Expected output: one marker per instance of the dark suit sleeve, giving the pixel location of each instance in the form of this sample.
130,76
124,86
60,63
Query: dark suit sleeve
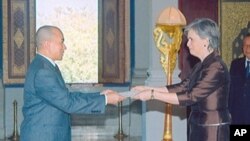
49,89
237,75
231,91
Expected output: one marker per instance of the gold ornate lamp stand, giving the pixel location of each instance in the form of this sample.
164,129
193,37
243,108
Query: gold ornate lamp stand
168,37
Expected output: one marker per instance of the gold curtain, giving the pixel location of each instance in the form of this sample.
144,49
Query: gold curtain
234,23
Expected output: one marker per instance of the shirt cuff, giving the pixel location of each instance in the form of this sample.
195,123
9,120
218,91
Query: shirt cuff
106,100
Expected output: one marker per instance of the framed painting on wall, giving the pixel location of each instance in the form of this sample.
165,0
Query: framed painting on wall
18,39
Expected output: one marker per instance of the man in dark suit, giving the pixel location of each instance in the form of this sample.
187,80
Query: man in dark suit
47,101
239,98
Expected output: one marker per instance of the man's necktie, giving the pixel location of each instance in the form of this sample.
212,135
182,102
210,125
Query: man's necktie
248,69
57,69
59,72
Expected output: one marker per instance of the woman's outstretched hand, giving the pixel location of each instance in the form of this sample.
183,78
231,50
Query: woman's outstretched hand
143,93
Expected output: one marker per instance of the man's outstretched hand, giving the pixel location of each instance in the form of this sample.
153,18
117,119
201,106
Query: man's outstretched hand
113,97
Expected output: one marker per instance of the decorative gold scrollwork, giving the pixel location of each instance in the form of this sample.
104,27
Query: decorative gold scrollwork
168,40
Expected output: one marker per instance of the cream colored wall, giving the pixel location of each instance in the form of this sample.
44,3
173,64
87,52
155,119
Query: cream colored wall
12,94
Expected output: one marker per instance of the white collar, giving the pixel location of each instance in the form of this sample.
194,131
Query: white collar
50,60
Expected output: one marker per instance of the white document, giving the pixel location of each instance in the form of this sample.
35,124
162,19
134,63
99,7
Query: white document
127,93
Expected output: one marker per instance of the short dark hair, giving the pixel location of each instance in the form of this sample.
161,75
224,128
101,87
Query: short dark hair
247,35
44,33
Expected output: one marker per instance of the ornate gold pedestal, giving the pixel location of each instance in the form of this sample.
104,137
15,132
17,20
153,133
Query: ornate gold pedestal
168,37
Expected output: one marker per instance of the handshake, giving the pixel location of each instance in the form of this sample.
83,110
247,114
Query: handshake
138,93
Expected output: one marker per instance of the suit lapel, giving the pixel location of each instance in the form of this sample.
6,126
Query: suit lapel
59,73
242,68
52,68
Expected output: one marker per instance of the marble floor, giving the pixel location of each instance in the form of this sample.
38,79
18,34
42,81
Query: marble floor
80,133
98,138
105,126
107,139
88,133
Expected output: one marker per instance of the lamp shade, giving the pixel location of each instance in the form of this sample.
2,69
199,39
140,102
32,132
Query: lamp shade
171,16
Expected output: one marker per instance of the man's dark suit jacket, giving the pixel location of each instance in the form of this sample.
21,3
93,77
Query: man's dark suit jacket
239,98
48,104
